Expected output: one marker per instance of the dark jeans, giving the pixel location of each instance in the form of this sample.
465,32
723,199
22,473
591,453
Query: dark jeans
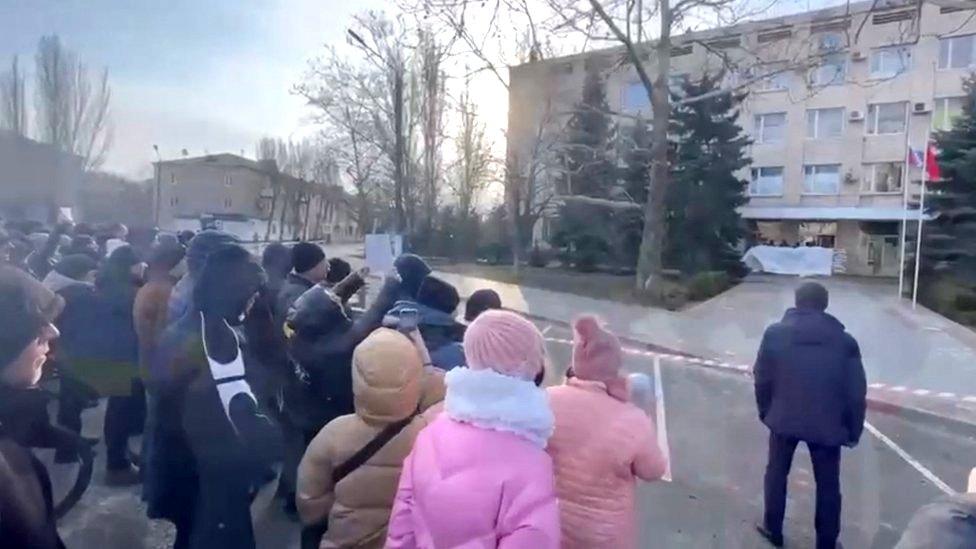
124,416
826,473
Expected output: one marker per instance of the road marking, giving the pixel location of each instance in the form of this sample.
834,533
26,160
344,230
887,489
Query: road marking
546,329
921,392
947,395
899,389
662,423
929,475
876,385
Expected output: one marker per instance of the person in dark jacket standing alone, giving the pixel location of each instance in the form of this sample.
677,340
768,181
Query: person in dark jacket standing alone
27,310
810,387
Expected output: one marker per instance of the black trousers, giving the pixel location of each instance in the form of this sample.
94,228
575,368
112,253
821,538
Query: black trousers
826,473
125,416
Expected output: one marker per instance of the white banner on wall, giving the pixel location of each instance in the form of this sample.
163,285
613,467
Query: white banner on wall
793,261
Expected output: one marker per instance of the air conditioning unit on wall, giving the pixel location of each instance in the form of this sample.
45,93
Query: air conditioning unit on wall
920,108
858,55
856,116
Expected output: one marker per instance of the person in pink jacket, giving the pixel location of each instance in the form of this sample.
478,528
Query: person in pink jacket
601,445
478,475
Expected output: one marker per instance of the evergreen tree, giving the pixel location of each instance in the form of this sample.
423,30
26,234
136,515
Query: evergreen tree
588,148
949,239
636,173
703,222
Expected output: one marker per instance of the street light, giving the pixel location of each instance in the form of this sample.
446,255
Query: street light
159,175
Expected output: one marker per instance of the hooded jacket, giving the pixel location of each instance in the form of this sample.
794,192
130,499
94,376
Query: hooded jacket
809,380
441,332
478,475
601,445
387,383
322,341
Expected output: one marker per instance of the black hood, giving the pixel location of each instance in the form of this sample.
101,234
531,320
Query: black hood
317,312
811,326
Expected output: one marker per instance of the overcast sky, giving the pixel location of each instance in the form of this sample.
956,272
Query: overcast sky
211,74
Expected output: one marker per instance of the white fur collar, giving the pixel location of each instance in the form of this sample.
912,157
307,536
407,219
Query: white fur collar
490,400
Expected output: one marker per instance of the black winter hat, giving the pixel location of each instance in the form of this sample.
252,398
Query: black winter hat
439,295
481,301
305,256
26,306
276,259
76,266
339,269
412,270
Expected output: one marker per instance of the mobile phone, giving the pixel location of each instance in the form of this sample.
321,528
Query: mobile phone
408,320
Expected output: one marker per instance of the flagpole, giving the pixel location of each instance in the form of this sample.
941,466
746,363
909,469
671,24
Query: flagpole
921,220
904,207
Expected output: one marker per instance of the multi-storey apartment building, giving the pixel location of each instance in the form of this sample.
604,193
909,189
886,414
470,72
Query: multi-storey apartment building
251,198
836,98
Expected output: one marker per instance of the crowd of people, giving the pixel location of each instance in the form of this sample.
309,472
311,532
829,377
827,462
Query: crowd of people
393,425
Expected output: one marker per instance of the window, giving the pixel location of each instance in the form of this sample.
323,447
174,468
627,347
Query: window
778,79
227,181
770,128
889,62
174,201
821,179
946,110
956,52
830,41
676,83
883,177
228,202
634,99
886,118
825,123
767,181
831,72
172,178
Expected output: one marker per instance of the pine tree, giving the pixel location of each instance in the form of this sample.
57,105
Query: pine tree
703,222
949,239
588,148
637,158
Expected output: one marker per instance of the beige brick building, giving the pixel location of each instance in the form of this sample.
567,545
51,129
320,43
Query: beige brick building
245,196
846,92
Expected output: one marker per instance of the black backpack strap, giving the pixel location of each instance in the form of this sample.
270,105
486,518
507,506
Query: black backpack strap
368,451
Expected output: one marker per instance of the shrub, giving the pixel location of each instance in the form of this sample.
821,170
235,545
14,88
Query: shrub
966,301
707,284
539,257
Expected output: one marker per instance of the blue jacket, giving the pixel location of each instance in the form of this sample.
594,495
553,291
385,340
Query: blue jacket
441,334
809,380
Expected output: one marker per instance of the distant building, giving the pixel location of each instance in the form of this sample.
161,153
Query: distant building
250,198
849,89
36,179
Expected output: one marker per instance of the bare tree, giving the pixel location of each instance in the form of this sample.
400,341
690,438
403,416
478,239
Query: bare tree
72,105
475,163
432,100
343,96
13,111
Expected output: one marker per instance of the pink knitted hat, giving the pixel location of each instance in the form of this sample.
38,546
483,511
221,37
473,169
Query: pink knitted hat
597,355
506,343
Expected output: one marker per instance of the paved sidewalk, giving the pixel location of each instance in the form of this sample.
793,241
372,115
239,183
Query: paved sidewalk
907,354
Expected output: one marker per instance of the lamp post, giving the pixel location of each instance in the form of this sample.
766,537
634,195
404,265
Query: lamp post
159,176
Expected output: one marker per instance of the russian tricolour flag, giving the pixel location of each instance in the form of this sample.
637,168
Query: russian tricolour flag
926,160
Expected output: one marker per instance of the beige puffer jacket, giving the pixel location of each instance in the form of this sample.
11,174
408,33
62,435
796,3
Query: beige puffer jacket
389,383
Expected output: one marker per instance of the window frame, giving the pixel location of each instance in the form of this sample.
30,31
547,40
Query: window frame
946,124
807,192
759,128
873,179
906,61
816,125
781,70
871,128
645,111
950,41
839,78
753,186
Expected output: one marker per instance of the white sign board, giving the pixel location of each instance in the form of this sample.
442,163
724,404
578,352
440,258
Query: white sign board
793,261
381,251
